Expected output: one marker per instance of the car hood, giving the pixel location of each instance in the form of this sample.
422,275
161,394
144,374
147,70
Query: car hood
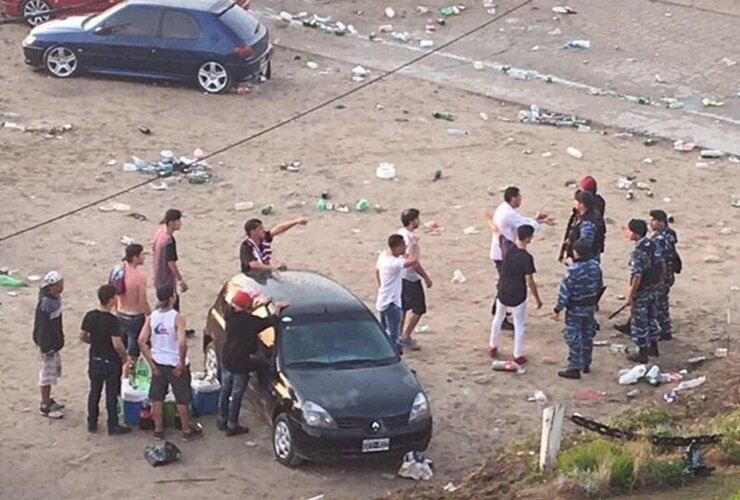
372,392
68,25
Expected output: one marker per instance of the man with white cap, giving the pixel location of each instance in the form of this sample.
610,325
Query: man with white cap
48,335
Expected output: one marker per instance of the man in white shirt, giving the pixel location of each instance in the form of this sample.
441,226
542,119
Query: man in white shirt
413,300
388,274
504,223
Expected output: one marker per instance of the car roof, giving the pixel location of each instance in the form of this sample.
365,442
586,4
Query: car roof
307,292
216,6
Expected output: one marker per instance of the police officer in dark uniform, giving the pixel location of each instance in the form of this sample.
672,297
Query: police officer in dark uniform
646,272
665,238
579,291
588,226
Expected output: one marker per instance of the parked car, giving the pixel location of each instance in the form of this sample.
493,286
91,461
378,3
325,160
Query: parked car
214,43
36,12
331,383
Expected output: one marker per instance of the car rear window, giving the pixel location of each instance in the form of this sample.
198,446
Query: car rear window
240,23
334,343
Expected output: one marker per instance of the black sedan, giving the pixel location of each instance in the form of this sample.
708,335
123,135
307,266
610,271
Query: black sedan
332,384
214,43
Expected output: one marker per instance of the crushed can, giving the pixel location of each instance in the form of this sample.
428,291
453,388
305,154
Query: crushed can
505,366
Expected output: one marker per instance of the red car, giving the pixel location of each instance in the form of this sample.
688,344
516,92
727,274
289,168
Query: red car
36,12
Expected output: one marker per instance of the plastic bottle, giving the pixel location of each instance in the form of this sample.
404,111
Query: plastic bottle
690,384
653,375
633,375
362,205
443,115
578,44
504,366
456,132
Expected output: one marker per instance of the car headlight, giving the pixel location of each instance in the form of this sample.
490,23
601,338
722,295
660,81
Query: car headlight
420,408
29,40
315,416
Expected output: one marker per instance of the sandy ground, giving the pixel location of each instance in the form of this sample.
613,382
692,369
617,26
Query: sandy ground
475,410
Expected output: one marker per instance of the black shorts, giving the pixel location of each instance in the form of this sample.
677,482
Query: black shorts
180,385
412,297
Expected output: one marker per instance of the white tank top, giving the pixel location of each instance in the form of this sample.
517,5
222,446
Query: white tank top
164,338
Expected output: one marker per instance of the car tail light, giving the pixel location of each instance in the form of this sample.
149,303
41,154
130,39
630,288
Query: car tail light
243,50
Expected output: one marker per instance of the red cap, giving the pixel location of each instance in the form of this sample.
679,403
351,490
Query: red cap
588,183
242,300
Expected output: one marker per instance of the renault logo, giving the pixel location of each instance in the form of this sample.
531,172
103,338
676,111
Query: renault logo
375,426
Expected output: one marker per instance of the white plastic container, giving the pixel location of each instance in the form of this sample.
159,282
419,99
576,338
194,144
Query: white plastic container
386,171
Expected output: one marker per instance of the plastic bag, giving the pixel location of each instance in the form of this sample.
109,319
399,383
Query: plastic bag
162,454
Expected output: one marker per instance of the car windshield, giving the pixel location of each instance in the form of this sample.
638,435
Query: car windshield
97,19
336,343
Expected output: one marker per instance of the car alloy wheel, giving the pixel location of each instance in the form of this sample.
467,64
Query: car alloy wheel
211,362
61,61
213,77
38,9
282,441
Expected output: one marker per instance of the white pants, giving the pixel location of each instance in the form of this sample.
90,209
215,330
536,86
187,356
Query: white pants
519,313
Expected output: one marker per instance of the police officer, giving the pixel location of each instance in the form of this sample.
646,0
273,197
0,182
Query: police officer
665,239
646,264
578,294
588,225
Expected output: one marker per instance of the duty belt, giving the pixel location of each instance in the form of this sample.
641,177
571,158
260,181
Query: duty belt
587,301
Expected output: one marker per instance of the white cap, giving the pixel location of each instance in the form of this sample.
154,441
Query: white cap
52,278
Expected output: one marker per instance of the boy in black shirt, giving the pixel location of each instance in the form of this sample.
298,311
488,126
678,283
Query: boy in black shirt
107,353
241,332
517,272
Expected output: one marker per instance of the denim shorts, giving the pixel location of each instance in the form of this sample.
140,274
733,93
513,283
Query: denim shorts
131,325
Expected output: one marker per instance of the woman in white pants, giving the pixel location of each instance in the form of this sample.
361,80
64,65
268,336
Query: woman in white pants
517,272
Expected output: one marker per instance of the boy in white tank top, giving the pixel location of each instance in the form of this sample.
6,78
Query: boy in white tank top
169,362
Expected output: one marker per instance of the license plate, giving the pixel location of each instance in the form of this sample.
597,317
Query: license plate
373,445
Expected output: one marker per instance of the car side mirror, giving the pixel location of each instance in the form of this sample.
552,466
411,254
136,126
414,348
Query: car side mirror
103,30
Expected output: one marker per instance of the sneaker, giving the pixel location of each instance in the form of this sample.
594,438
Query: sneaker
587,369
507,325
118,430
410,343
521,360
492,352
92,427
665,336
221,426
56,406
194,433
235,431
49,412
189,334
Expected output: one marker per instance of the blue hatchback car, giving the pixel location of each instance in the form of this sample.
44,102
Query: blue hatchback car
214,43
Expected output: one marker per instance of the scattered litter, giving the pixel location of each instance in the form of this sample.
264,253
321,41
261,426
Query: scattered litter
456,132
577,44
137,216
426,43
242,206
659,79
449,487
195,169
575,153
711,153
631,376
691,384
444,115
312,65
733,159
126,240
390,13
478,65
385,28
471,230
450,10
359,73
362,205
38,129
286,16
112,163
670,397
268,209
683,146
536,116
584,129
728,61
291,166
325,24
458,277
537,397
162,454
505,366
114,207
33,278
8,281
292,204
695,463
696,360
437,175
633,393
416,466
87,243
624,183
650,142
629,196
720,352
483,116
401,37
386,171
422,329
647,161
563,9
711,103
589,394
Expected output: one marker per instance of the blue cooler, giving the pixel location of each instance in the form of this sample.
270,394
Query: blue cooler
132,400
205,396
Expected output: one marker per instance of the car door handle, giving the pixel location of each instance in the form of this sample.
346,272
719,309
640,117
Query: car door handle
154,51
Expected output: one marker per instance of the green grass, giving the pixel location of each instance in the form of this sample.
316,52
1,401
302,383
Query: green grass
729,427
650,419
610,464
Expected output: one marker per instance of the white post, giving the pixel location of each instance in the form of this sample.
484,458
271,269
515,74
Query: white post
552,428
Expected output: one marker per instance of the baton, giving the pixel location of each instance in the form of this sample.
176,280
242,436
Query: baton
614,314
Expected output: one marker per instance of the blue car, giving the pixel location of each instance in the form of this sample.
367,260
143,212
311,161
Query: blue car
213,43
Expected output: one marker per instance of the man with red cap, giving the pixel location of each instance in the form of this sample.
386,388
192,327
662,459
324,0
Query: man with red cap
587,206
241,331
588,183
